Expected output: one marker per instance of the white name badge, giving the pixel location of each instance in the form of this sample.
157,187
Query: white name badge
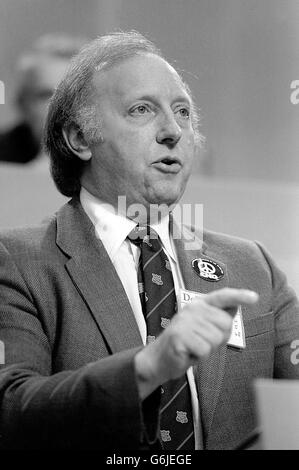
237,337
186,296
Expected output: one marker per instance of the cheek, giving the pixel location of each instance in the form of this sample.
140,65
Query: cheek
135,150
190,148
129,161
190,140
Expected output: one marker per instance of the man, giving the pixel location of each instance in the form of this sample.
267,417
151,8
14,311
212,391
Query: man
37,72
88,362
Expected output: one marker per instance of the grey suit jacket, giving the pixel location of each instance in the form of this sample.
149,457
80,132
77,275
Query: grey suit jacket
70,338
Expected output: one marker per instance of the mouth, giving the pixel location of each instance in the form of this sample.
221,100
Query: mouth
168,165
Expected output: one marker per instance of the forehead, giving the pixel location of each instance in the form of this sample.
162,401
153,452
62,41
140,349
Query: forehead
143,74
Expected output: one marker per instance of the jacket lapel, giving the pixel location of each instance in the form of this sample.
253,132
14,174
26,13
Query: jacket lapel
94,275
208,373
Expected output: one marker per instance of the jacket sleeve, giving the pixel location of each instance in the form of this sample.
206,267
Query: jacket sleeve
96,406
285,308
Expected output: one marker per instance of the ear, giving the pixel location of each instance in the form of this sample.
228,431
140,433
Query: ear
75,141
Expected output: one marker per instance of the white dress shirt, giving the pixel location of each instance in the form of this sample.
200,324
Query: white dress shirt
112,229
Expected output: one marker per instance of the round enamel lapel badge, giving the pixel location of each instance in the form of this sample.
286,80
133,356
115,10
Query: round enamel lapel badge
207,269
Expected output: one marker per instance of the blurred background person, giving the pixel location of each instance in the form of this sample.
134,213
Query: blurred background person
38,72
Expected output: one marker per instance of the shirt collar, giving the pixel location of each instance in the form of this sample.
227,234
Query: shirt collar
113,228
162,229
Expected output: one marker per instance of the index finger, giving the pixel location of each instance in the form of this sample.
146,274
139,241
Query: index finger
229,298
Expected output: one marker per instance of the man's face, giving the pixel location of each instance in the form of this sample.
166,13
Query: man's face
147,143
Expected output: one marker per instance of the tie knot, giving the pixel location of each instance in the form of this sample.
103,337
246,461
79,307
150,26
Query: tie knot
144,234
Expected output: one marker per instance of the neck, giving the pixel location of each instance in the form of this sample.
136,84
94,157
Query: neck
144,214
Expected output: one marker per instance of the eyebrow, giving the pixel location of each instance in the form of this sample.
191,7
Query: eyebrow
155,99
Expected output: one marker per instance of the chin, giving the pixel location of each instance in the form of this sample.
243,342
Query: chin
164,192
169,197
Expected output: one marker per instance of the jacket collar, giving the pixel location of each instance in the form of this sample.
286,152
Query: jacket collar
95,277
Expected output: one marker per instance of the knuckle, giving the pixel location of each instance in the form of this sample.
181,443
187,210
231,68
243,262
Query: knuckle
195,305
219,338
174,338
227,323
205,349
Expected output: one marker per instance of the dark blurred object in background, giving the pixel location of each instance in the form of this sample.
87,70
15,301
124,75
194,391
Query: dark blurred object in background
38,72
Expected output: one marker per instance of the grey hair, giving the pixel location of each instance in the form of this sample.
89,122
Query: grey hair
71,104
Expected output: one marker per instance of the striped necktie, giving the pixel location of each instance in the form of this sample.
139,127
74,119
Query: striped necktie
158,300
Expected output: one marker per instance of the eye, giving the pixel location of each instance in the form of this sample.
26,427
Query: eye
184,113
140,109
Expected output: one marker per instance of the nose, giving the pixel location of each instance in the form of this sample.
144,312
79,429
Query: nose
169,132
